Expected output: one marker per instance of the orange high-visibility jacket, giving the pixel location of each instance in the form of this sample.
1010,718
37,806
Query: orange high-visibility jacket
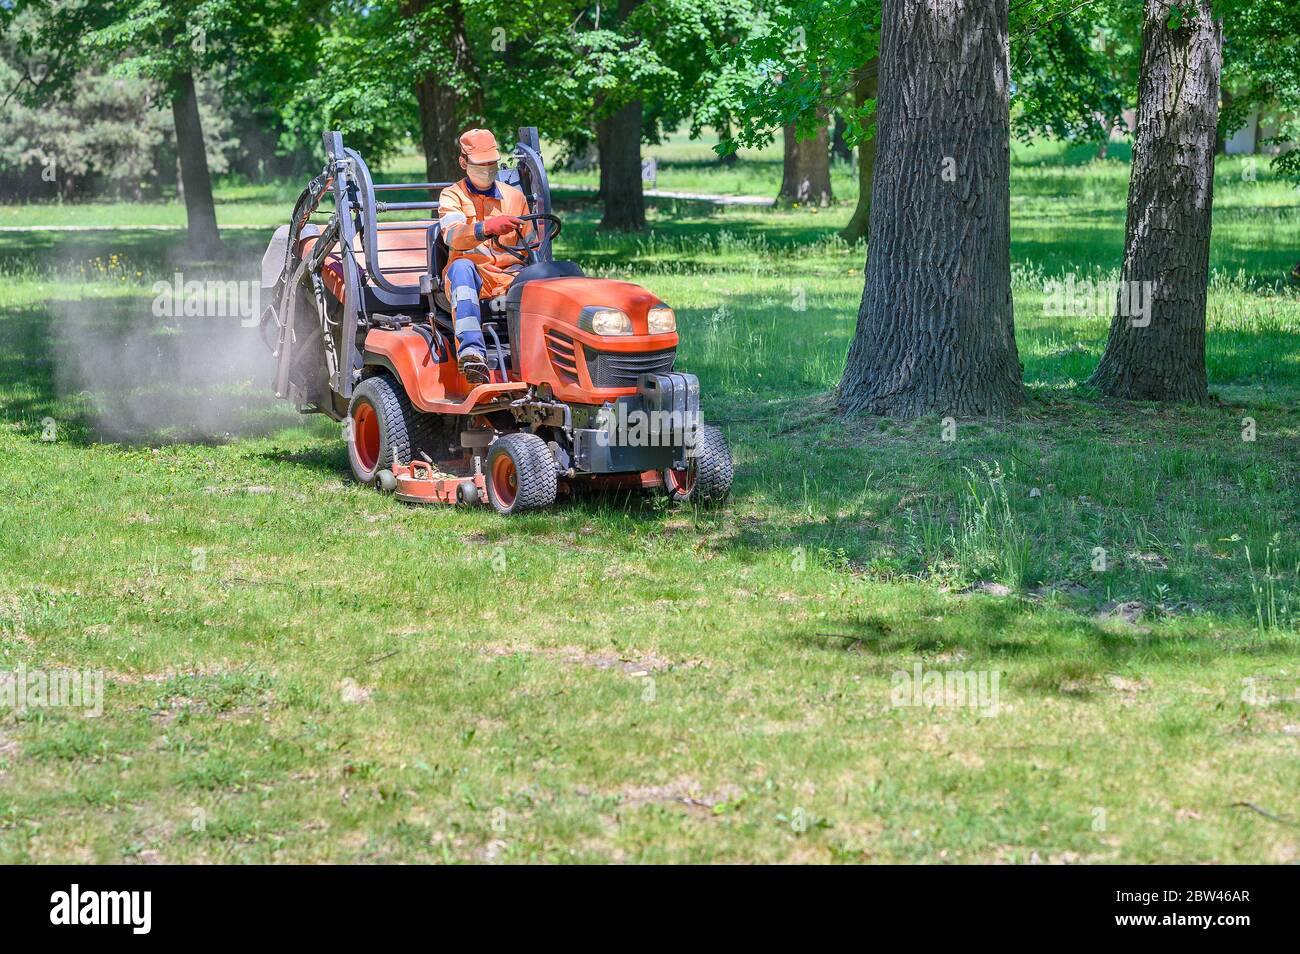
461,208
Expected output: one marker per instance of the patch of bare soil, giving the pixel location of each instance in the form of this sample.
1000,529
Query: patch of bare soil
9,749
354,693
1063,587
682,791
165,675
1130,612
992,589
576,656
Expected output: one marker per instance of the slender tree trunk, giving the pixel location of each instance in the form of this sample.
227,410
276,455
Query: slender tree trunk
840,150
1158,354
445,109
731,158
200,211
935,331
1103,144
863,92
806,172
620,170
603,150
1221,136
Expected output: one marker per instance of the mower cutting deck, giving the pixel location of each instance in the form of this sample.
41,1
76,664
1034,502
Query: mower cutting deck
583,392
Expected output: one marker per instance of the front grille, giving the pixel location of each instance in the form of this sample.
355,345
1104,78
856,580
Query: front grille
615,369
560,348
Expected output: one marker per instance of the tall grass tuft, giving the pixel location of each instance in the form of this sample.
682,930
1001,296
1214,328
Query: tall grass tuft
1272,604
990,540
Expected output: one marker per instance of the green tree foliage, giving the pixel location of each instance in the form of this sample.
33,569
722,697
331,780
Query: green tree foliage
362,83
171,46
803,55
568,66
1074,73
798,59
1261,70
74,127
106,136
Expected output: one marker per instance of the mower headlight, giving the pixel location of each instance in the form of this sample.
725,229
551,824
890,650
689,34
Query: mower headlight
605,321
662,320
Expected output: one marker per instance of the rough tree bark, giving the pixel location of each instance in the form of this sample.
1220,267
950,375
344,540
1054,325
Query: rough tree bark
864,90
445,109
935,330
806,171
619,138
200,212
1103,143
1160,355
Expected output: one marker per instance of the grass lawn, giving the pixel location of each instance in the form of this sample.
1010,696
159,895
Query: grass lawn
298,669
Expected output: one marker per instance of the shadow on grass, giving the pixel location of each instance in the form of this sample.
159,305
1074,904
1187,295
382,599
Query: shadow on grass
330,461
985,632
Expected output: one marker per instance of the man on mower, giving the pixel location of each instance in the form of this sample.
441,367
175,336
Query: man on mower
471,212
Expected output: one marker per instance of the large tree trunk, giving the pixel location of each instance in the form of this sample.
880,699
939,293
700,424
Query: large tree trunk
935,331
806,172
864,90
445,110
1159,354
200,211
619,137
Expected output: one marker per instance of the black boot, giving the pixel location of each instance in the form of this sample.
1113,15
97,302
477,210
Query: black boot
473,366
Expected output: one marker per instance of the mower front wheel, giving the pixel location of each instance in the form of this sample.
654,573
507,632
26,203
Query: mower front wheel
379,419
520,473
706,478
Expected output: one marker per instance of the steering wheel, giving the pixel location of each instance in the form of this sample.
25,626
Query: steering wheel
526,249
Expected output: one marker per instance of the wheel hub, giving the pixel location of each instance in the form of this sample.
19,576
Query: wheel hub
365,436
505,480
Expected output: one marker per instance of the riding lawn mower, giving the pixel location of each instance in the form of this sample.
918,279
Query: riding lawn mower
582,391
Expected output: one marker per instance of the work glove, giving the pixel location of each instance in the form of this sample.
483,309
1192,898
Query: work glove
499,225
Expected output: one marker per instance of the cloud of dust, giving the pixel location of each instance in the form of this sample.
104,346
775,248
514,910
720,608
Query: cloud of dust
182,361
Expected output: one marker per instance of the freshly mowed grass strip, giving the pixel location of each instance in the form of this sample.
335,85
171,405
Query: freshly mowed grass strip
300,670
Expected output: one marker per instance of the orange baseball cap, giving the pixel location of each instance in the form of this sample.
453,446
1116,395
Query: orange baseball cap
479,145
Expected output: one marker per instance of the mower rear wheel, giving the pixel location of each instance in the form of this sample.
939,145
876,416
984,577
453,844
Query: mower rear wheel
706,478
379,424
520,473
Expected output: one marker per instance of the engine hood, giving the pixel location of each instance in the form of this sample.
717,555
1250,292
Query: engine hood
564,298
